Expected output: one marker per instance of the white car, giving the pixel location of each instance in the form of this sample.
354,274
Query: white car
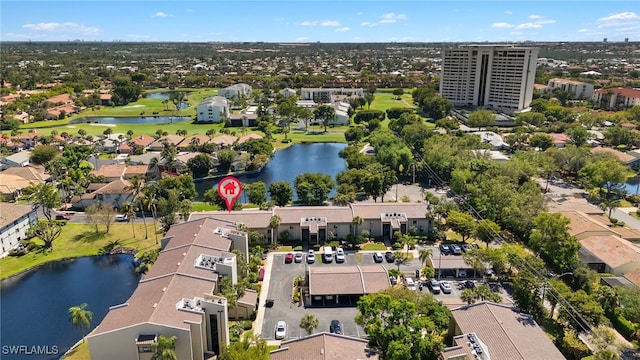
281,330
411,285
445,287
122,218
339,255
311,257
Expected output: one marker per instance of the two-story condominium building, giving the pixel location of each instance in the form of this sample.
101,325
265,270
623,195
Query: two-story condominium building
15,220
578,89
616,99
213,109
498,77
237,91
177,297
323,95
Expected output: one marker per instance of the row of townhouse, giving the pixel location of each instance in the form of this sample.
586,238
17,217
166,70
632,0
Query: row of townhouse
616,98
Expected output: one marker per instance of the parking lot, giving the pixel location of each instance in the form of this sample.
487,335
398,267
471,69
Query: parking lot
281,286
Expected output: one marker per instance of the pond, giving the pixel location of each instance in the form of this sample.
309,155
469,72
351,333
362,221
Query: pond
289,163
151,119
35,304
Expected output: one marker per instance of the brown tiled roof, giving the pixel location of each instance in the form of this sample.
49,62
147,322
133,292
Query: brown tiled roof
630,93
62,98
509,335
612,250
625,158
203,139
253,218
224,140
334,214
110,171
10,183
27,172
633,276
11,212
249,137
373,210
142,140
323,346
563,204
132,170
171,139
172,278
116,187
347,280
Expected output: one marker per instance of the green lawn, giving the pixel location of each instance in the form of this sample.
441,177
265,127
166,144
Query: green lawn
373,246
79,240
384,101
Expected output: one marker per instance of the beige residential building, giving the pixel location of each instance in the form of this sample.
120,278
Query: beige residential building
493,76
177,297
578,89
324,346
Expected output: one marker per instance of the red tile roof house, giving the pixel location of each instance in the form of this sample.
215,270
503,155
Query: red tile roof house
110,172
559,140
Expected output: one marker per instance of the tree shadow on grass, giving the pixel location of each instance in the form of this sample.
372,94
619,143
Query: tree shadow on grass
89,236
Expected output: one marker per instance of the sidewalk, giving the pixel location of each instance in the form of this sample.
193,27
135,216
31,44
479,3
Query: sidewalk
264,292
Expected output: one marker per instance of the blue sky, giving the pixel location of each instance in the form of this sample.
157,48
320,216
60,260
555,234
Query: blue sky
324,21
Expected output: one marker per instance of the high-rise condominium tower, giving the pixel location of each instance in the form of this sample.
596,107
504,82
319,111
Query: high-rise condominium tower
500,77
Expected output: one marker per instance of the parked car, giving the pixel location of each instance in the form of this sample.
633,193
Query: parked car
327,254
122,218
469,284
311,257
335,327
377,257
298,257
445,287
388,256
281,330
63,217
434,286
456,249
445,249
340,255
466,247
289,258
393,280
411,285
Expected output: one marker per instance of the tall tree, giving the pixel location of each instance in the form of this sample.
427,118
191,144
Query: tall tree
487,230
47,231
462,223
552,240
482,119
274,222
281,193
313,188
42,195
256,192
80,317
326,114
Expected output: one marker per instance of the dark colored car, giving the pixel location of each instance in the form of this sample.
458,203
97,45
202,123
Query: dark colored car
388,256
289,258
63,217
335,327
418,274
434,286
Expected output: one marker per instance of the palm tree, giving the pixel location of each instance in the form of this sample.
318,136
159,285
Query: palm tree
165,348
425,254
130,210
136,186
468,296
274,222
309,322
80,317
357,221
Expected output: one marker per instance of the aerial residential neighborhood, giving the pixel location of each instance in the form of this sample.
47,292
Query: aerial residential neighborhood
320,185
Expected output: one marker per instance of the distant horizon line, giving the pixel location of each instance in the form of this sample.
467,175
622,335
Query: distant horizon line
324,42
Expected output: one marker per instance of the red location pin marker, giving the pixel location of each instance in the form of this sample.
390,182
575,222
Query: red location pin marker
229,189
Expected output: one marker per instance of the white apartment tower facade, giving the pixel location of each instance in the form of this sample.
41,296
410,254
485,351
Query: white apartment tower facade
499,77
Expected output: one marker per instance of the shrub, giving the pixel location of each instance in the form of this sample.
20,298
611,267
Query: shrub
298,248
613,220
18,252
620,323
296,297
405,199
247,325
396,246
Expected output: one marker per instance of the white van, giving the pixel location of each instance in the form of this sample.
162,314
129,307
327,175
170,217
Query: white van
411,285
327,254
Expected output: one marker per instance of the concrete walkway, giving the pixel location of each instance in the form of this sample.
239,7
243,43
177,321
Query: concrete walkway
264,292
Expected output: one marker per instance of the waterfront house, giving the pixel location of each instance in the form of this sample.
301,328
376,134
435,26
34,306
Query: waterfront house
15,221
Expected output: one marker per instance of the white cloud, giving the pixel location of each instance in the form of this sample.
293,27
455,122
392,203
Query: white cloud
390,18
508,12
342,29
501,25
161,14
545,21
330,23
628,15
359,13
528,26
583,31
65,27
308,23
533,17
368,24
